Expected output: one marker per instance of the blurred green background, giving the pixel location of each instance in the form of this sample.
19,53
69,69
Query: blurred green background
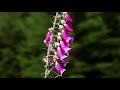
95,51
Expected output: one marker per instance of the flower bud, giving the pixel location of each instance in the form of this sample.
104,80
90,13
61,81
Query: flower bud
64,13
56,44
59,38
61,27
50,29
54,60
52,50
59,33
63,22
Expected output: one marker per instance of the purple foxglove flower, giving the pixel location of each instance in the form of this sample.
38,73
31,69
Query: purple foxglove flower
69,23
63,63
68,18
47,38
65,47
61,55
69,39
58,68
68,28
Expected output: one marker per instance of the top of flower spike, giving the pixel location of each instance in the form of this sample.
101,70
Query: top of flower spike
65,13
67,17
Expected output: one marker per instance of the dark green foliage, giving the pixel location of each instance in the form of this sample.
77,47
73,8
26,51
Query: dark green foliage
95,51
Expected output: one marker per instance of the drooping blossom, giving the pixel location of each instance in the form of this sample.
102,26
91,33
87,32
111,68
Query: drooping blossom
68,28
63,63
58,68
61,55
69,39
47,38
64,46
68,18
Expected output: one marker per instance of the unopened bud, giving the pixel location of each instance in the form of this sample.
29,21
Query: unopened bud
59,37
50,29
59,34
52,50
54,60
64,13
60,27
62,21
56,44
55,54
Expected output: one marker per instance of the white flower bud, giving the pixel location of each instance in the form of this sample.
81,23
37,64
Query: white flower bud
60,27
56,44
59,34
52,50
54,60
63,22
55,54
50,29
64,13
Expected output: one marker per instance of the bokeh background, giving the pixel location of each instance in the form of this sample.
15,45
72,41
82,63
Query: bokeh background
95,51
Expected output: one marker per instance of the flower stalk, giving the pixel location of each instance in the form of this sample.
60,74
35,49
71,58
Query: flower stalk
48,52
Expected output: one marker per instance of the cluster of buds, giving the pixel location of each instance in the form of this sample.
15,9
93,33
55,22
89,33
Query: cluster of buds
58,41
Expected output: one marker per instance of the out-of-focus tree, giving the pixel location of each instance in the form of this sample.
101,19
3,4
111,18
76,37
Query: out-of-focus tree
21,43
96,47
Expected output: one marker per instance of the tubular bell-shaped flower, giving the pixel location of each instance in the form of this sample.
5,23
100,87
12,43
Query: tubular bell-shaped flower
47,38
64,47
68,18
68,28
69,39
61,55
58,68
63,62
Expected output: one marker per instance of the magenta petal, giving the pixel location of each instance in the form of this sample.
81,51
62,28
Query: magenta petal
63,63
58,68
69,23
47,38
68,28
68,18
60,54
65,47
69,39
